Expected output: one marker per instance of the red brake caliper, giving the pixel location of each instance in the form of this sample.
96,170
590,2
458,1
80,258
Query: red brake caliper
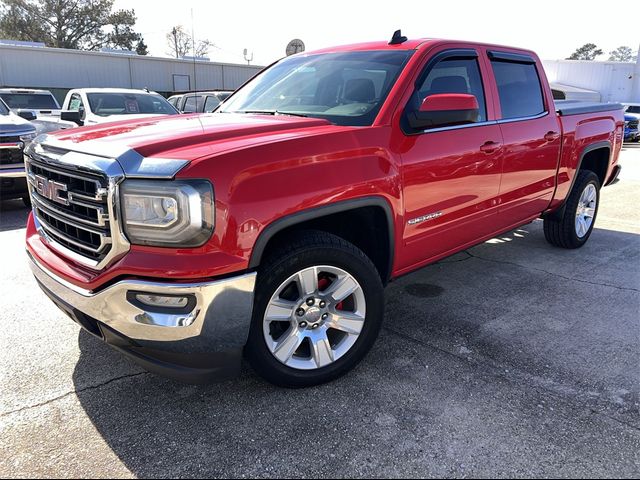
323,283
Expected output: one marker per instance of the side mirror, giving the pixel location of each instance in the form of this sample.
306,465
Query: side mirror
27,114
72,116
445,109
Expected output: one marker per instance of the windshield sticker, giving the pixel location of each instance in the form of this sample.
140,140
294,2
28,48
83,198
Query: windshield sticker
131,106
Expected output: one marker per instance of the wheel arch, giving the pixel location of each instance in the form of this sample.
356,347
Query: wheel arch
594,157
318,218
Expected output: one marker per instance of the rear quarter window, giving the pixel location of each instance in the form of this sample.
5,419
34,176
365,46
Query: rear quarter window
519,89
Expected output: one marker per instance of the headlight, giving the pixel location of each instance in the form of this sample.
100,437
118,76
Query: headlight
176,213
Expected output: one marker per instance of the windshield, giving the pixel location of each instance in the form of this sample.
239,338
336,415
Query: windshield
344,88
3,108
633,109
32,101
105,104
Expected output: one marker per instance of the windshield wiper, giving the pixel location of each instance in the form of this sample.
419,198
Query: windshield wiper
274,112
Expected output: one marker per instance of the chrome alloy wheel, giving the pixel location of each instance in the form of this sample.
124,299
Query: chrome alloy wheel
586,210
314,317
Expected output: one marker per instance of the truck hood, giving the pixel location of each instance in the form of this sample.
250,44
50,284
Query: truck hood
184,137
97,120
12,123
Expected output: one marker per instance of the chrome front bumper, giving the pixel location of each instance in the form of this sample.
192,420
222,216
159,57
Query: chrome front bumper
221,313
13,171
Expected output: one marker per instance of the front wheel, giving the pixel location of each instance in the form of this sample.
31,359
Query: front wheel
317,312
575,227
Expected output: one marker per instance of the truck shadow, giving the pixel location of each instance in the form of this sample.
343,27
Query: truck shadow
13,215
452,330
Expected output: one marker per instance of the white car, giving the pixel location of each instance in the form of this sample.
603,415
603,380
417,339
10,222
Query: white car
90,106
38,106
40,101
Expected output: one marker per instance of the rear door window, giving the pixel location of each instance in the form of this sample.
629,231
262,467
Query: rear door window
193,104
519,89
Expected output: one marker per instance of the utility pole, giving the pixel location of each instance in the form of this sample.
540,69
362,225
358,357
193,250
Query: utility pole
193,46
174,32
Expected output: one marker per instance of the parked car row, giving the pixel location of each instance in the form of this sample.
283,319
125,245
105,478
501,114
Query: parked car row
27,113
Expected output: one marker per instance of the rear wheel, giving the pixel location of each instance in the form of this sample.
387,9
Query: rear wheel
575,227
317,312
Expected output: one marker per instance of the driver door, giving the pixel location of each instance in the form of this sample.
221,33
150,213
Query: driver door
451,174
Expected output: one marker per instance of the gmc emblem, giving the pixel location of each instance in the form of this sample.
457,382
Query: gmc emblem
49,189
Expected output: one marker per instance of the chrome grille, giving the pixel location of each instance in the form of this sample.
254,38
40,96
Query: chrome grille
633,124
78,218
10,151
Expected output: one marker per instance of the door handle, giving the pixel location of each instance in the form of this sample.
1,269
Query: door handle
490,147
551,136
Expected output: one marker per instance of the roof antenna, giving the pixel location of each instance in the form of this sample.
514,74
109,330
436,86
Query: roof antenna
397,38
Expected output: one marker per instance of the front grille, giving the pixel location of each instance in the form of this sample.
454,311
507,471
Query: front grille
633,124
76,218
10,156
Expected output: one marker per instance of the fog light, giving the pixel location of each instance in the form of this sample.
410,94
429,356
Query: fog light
162,301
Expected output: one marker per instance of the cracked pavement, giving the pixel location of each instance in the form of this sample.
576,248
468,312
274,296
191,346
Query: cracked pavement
510,359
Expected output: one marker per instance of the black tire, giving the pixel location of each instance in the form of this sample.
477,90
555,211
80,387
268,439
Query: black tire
304,250
562,232
27,201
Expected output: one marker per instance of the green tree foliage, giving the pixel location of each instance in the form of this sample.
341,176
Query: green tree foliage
141,48
589,51
78,24
622,54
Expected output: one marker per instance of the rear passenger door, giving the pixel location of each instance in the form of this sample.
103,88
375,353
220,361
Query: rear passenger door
531,137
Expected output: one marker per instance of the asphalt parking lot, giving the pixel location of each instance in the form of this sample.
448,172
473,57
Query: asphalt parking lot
511,359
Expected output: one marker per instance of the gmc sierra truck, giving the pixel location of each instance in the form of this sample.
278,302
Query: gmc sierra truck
270,227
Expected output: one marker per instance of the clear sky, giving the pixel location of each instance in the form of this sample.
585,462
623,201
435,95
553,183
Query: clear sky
554,29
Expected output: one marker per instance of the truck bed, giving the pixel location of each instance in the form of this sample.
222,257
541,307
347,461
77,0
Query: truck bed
565,108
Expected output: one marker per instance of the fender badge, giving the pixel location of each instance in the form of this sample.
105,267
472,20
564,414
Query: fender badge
424,218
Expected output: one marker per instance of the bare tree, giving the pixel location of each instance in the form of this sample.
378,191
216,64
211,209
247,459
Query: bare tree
182,44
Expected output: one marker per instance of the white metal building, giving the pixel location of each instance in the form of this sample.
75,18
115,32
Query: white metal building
59,70
615,81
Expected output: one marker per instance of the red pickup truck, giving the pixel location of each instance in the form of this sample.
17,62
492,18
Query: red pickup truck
270,227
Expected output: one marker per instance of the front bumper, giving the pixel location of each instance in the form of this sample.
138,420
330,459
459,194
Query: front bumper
201,342
13,183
